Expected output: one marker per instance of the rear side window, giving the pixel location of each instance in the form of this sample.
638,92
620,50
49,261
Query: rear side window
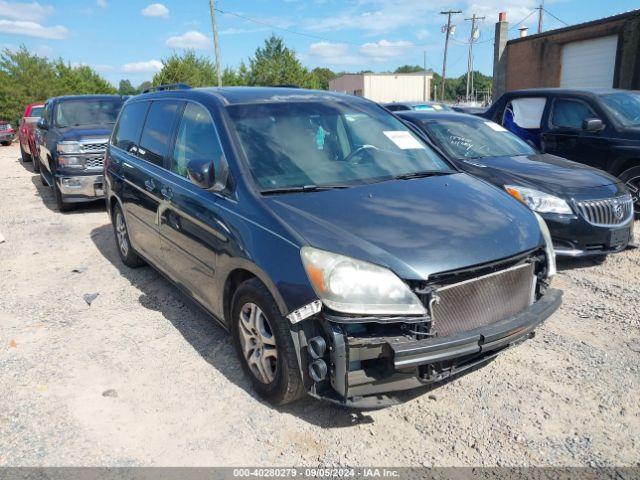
36,111
197,139
156,135
127,131
570,113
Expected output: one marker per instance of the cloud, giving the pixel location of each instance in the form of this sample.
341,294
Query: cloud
33,29
142,67
385,50
340,53
156,10
102,3
334,53
422,34
33,11
190,40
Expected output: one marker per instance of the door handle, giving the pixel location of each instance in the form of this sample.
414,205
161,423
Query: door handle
150,185
167,193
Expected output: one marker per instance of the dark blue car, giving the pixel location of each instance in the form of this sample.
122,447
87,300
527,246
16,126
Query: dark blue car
347,258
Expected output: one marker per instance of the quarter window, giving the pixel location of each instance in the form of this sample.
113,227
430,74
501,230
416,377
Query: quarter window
127,131
156,136
197,139
570,113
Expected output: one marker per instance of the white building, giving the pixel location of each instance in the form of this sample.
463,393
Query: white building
385,87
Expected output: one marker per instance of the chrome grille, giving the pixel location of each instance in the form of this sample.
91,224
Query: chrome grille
93,147
4,127
607,212
95,162
484,300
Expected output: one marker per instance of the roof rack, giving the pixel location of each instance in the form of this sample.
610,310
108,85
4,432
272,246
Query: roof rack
290,85
167,86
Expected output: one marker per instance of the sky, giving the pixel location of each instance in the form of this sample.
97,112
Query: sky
129,38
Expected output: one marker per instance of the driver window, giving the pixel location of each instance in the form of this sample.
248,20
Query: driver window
570,113
197,139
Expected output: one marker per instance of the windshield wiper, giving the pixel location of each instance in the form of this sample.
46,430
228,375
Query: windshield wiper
302,189
430,173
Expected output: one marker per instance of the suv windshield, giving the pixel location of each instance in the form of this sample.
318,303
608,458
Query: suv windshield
87,112
471,138
36,111
324,144
624,106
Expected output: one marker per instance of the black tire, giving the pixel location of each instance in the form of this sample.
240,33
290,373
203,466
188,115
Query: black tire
26,157
631,179
36,163
62,206
123,244
42,179
286,385
6,144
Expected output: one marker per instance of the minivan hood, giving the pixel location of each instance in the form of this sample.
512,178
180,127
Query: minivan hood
548,173
85,131
414,227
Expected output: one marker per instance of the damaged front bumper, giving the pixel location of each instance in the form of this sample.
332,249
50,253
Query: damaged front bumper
364,368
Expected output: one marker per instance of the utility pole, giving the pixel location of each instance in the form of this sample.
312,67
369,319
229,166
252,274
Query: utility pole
216,47
424,76
447,31
472,38
540,9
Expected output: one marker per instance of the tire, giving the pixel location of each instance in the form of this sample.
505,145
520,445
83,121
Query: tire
6,144
42,179
62,207
631,179
36,163
123,244
24,155
277,379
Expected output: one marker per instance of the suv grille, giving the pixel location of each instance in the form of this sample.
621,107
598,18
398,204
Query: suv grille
4,127
95,162
607,212
483,300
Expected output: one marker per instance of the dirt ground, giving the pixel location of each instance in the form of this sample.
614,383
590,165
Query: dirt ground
143,377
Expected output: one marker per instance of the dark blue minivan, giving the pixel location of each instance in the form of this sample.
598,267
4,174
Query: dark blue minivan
348,259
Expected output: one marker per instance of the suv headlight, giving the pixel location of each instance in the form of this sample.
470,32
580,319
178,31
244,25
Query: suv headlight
538,201
348,285
548,246
68,147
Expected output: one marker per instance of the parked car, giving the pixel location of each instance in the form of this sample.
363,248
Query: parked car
72,137
473,110
588,211
597,127
347,257
7,133
419,106
26,130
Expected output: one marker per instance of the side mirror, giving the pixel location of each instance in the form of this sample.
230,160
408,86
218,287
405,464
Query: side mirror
42,124
201,173
592,124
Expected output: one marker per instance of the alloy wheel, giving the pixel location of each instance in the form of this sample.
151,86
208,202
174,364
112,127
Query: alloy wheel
633,185
121,234
258,343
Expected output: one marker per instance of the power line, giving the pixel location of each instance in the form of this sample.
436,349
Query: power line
558,19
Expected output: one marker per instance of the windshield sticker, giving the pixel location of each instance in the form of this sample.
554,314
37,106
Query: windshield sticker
320,136
438,107
496,127
403,140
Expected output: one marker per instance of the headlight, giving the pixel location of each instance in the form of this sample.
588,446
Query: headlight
71,162
348,285
68,147
538,201
548,248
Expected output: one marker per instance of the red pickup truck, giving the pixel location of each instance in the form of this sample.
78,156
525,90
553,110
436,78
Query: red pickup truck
27,129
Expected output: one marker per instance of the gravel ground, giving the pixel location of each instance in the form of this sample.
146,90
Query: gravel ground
143,377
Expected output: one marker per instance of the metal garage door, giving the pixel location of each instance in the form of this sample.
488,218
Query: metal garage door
589,63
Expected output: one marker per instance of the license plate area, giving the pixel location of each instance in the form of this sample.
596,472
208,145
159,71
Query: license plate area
619,237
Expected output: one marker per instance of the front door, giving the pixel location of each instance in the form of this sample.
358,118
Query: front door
565,137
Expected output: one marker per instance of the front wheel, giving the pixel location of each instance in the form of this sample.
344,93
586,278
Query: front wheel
6,144
24,155
631,179
262,339
62,206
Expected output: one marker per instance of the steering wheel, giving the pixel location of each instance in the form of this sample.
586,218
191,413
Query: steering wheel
359,150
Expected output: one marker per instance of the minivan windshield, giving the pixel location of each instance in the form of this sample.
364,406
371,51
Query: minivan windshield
624,106
473,138
326,144
74,113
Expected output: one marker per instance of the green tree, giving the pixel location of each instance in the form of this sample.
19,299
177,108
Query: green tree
189,68
146,85
125,88
323,75
409,69
276,64
233,77
80,79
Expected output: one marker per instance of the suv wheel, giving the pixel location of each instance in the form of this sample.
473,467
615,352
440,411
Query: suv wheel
24,155
127,254
262,339
631,179
62,207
